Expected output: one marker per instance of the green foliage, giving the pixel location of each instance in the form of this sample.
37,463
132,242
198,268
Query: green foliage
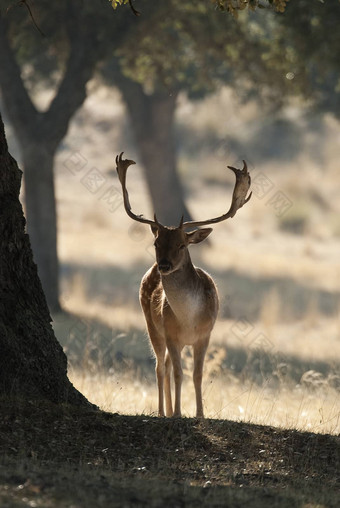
174,45
304,49
233,6
116,3
181,45
193,46
45,58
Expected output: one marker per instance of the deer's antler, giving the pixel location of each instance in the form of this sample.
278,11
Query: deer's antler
239,198
122,167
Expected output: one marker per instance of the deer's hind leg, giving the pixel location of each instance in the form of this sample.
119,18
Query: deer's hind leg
200,349
175,350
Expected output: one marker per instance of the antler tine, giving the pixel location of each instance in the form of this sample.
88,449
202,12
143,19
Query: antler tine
122,166
239,198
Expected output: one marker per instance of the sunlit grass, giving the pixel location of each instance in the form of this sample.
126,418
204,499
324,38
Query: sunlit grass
285,405
272,401
223,399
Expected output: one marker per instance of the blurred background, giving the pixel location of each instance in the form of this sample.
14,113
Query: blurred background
185,89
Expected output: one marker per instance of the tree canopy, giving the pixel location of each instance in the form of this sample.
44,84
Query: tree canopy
232,6
305,48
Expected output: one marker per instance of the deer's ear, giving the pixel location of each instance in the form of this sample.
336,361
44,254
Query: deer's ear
198,235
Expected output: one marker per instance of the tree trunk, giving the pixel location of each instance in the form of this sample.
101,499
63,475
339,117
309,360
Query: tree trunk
152,121
39,133
32,362
41,210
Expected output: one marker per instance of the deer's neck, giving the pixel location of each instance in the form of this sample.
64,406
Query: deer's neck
183,290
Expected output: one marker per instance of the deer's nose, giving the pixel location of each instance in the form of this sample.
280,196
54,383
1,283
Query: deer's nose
164,266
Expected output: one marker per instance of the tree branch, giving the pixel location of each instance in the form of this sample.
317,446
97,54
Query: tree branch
20,108
85,51
50,126
26,4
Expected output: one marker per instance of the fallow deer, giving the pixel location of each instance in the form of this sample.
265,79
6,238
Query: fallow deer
179,301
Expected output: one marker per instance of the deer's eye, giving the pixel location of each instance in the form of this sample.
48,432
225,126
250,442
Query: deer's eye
182,246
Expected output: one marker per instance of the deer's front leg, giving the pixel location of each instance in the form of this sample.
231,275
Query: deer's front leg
175,354
160,371
200,348
158,344
167,385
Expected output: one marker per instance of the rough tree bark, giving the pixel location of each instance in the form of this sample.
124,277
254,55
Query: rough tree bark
152,121
32,362
40,133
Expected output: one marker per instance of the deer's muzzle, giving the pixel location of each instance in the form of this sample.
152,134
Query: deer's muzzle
164,266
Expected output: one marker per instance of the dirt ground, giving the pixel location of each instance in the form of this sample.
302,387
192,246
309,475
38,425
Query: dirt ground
67,457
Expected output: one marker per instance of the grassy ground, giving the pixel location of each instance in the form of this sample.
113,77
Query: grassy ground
59,456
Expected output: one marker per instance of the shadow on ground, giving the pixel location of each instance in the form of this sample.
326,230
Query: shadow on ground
61,456
92,345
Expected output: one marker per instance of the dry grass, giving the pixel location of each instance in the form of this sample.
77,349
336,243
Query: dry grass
314,408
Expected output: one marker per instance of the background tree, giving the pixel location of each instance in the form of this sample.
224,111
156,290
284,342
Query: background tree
75,43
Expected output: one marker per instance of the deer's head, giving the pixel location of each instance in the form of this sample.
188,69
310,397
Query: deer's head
171,243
